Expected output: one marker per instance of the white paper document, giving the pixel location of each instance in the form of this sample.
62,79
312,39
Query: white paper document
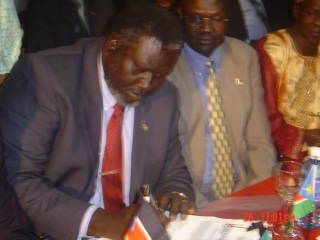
211,228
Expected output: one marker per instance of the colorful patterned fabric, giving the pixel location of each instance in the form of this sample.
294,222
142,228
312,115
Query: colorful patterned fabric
291,81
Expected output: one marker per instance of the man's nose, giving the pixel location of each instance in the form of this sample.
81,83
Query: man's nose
206,25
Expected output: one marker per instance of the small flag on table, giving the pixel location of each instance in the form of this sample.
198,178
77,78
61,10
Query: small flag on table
146,225
303,202
137,231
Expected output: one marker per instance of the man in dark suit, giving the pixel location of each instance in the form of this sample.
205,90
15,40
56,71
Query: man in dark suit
278,13
55,110
251,19
54,23
13,222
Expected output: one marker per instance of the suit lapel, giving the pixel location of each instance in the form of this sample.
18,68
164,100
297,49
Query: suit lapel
192,118
140,141
232,83
90,96
226,78
235,98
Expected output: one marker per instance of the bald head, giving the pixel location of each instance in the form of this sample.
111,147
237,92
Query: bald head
211,5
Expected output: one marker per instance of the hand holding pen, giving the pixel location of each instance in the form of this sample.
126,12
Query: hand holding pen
173,202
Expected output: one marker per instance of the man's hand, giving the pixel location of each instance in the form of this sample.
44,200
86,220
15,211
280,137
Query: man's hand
111,225
175,203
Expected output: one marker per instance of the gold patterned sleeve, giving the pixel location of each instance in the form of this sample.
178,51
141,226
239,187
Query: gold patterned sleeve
272,56
275,48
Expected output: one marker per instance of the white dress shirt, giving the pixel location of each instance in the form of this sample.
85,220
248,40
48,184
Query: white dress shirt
127,138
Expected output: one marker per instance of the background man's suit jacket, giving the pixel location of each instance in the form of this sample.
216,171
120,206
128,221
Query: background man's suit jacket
54,23
50,111
278,13
243,104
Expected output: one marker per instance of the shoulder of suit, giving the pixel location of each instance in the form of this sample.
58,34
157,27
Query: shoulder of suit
75,49
238,45
167,88
166,91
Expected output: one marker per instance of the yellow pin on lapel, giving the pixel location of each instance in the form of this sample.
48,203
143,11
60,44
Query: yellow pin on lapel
144,126
238,82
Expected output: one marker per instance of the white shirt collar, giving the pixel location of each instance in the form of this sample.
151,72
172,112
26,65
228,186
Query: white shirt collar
108,100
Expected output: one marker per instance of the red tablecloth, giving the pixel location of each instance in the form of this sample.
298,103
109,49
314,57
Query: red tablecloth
267,187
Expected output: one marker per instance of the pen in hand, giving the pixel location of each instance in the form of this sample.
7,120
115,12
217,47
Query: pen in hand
147,196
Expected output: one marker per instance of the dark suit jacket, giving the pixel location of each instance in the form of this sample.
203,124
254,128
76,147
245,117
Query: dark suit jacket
13,222
54,23
50,116
278,13
236,27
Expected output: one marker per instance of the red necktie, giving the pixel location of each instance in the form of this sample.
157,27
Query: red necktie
111,178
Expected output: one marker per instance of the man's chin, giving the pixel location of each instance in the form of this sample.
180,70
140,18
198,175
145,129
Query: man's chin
205,49
131,104
128,101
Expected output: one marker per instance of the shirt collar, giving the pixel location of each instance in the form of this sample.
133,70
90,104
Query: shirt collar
108,100
198,61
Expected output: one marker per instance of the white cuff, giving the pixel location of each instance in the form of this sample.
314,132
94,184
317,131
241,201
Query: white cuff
85,223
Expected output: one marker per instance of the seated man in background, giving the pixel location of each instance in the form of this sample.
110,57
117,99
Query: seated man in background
250,19
224,127
260,17
290,61
55,23
85,126
13,222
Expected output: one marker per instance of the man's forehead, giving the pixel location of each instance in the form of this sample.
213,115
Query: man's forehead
309,3
314,3
203,5
149,44
150,52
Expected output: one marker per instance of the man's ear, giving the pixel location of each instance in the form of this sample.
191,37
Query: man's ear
112,42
